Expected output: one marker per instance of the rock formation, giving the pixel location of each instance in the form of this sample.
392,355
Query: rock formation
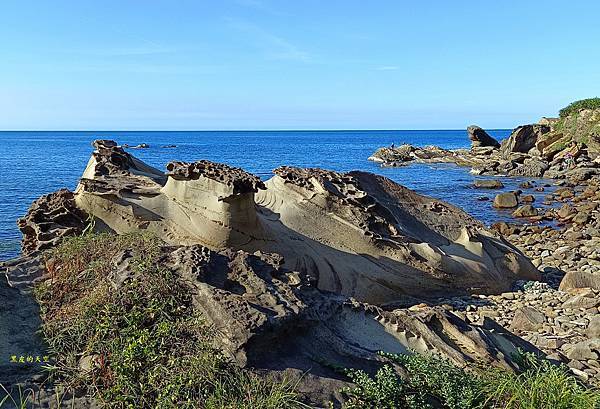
49,219
523,139
564,148
480,138
355,234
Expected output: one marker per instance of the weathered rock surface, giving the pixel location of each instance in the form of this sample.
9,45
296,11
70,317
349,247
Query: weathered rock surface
268,318
49,219
354,233
267,314
522,139
480,137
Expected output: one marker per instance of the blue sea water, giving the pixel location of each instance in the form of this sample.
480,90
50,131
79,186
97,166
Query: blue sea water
36,163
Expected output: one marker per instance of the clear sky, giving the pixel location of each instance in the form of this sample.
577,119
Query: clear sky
298,64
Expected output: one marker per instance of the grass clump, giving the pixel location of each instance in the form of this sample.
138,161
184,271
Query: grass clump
432,382
140,343
574,107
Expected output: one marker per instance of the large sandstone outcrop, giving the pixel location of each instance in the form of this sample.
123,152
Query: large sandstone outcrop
266,315
355,234
523,139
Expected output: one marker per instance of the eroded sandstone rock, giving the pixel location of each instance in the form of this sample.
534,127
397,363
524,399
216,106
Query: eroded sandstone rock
353,233
49,219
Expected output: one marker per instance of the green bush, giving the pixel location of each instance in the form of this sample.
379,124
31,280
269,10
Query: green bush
574,107
148,346
432,382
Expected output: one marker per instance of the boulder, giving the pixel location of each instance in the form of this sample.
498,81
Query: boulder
580,279
531,167
583,301
488,184
522,139
506,200
527,198
593,329
525,211
584,350
527,319
565,211
480,138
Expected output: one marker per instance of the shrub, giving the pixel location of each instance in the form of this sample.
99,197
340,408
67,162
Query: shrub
432,382
574,107
148,346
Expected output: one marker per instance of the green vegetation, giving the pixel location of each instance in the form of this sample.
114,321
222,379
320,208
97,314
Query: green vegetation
574,107
432,382
138,344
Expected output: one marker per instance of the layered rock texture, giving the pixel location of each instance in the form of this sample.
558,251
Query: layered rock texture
355,234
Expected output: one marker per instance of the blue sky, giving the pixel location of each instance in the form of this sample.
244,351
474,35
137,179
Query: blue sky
259,64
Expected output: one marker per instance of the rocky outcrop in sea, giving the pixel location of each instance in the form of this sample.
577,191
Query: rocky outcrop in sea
554,148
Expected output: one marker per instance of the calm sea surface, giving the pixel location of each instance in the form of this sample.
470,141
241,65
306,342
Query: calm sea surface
35,163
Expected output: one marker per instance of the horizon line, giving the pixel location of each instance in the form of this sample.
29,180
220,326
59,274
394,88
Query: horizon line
247,130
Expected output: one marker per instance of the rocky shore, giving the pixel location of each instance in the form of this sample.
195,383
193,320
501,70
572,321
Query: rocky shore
313,269
554,148
559,314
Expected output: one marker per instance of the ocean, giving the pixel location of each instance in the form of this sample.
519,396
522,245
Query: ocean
36,163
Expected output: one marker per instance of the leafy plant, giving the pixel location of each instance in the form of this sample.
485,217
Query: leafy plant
432,382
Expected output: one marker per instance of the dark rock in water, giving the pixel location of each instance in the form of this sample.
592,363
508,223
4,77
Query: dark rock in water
525,211
483,198
487,184
526,185
141,146
527,198
49,219
480,138
169,146
506,200
523,139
